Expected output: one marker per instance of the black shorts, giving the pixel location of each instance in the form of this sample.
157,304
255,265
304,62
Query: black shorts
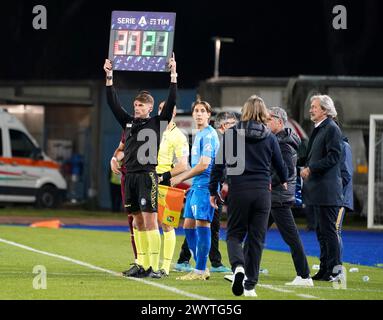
141,192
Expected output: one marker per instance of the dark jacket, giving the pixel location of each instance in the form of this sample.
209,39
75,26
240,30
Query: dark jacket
323,187
346,170
288,143
261,149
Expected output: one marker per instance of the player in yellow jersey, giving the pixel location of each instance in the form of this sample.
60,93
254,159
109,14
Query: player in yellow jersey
172,161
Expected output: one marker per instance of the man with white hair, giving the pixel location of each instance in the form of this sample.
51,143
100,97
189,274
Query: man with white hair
322,187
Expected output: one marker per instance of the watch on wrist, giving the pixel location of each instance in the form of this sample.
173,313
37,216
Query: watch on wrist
109,77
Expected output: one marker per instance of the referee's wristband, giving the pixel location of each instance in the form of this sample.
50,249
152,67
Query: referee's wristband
166,176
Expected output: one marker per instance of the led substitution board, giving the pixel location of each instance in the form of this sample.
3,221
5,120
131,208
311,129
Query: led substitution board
141,41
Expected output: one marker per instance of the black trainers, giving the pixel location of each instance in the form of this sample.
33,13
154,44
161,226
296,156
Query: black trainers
332,277
319,275
150,273
135,271
163,273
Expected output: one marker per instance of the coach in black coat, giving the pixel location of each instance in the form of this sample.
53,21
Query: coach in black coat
282,199
322,187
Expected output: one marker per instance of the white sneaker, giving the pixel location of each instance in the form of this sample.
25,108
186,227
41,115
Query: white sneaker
229,277
249,293
237,284
299,281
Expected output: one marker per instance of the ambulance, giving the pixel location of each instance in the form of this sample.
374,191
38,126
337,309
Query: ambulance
27,174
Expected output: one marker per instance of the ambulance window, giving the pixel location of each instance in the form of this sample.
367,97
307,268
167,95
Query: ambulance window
21,145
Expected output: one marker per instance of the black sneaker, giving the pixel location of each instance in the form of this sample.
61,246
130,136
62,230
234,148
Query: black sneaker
319,275
163,273
150,273
329,276
338,277
135,271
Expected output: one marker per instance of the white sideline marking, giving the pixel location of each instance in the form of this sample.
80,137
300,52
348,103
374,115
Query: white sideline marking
351,289
277,287
51,273
307,296
269,286
90,266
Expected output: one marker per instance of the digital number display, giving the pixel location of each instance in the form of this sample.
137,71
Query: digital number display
141,41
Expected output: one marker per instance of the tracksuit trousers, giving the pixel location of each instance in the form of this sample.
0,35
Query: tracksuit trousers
284,219
248,213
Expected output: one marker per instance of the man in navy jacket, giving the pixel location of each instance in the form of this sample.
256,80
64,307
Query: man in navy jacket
322,187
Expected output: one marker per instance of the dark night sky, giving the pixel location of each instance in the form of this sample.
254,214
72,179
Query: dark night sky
272,38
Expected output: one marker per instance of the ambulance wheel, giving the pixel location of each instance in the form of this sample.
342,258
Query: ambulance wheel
47,197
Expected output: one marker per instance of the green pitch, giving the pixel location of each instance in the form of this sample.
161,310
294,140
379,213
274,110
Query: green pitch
86,265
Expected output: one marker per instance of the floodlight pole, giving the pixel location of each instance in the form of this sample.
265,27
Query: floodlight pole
217,42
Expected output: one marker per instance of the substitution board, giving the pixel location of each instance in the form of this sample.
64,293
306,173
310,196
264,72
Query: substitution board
141,41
